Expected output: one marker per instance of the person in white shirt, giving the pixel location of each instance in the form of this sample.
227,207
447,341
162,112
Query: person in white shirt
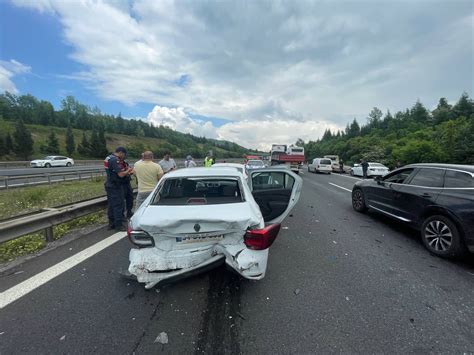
148,174
167,163
189,163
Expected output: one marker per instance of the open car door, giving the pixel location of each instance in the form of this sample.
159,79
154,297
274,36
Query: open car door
276,191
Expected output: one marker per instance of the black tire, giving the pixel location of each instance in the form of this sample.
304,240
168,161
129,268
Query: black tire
47,165
441,237
358,200
68,164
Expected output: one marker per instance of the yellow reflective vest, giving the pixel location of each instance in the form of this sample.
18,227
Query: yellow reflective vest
208,162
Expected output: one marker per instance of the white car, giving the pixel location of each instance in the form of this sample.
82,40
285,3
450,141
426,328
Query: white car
374,169
52,160
238,167
320,165
198,218
254,164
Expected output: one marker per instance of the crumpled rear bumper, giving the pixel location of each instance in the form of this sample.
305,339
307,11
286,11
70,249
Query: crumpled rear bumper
152,265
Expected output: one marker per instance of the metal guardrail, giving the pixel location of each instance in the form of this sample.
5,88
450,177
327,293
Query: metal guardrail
47,218
26,163
48,178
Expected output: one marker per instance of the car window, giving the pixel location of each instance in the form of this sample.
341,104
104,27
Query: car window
458,179
272,180
399,177
255,163
428,178
198,191
326,161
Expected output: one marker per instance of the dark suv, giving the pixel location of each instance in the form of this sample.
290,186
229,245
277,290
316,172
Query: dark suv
437,199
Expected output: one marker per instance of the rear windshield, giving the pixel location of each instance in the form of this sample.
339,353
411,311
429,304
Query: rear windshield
325,161
198,191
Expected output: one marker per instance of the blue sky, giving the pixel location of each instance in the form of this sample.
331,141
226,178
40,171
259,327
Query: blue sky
254,72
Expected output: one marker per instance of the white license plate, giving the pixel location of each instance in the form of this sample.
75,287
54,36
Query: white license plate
189,239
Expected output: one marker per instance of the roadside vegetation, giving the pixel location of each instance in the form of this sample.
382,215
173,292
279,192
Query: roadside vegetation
416,135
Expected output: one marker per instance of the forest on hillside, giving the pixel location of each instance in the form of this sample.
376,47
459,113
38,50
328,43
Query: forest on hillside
416,135
26,111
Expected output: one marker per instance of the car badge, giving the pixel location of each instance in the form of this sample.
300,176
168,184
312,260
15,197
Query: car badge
197,227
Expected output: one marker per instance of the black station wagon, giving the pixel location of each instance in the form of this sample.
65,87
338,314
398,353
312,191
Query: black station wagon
437,199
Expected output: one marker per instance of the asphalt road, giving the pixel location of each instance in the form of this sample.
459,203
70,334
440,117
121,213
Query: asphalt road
337,281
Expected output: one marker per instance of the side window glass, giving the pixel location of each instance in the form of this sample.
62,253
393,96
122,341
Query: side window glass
400,177
458,179
272,180
428,178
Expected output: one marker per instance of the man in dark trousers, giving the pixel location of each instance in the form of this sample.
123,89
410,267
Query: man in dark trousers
114,189
341,166
365,166
127,187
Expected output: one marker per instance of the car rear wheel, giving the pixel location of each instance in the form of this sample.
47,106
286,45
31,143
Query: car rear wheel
358,201
47,165
68,164
441,237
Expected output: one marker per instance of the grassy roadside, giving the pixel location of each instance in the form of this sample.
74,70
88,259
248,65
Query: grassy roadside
29,199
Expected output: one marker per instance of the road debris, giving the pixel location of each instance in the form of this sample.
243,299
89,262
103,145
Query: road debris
334,242
162,338
1,333
62,338
241,316
18,272
347,298
284,227
297,291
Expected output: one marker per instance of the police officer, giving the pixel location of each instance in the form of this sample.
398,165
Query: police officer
209,160
127,186
114,189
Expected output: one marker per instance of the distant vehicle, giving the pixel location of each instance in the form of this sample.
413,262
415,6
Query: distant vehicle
374,169
320,165
293,156
52,161
437,199
254,164
238,167
199,218
335,162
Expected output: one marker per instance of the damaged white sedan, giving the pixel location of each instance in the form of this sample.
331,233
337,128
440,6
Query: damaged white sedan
198,218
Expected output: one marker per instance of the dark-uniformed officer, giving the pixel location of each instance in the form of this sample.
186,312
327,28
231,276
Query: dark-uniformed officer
114,188
127,187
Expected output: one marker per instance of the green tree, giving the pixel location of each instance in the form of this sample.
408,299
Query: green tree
3,148
419,113
23,141
8,143
70,144
299,143
465,106
443,111
53,143
374,117
84,148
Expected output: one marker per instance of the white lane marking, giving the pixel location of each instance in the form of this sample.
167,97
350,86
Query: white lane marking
348,176
330,183
25,287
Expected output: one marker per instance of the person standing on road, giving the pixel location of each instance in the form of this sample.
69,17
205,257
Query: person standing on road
189,163
365,166
341,167
148,174
167,163
114,189
208,160
127,187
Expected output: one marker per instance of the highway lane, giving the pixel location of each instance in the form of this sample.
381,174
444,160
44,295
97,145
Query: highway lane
337,281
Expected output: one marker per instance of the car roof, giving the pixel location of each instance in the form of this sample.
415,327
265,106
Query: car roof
230,165
198,172
469,168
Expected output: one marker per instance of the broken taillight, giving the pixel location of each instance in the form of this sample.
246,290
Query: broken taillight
260,239
139,237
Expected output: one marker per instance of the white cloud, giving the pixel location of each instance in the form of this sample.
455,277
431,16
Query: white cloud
178,119
9,69
284,62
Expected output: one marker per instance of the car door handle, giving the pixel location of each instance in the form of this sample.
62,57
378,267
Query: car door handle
425,194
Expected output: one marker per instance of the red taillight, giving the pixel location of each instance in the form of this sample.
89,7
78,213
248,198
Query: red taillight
260,239
139,237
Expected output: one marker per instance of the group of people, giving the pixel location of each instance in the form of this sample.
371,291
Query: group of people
148,173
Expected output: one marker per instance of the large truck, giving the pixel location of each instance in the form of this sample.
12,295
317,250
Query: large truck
288,155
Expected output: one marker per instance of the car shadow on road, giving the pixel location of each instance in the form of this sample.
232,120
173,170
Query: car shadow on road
466,262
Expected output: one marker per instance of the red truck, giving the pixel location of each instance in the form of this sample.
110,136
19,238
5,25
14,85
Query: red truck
288,155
